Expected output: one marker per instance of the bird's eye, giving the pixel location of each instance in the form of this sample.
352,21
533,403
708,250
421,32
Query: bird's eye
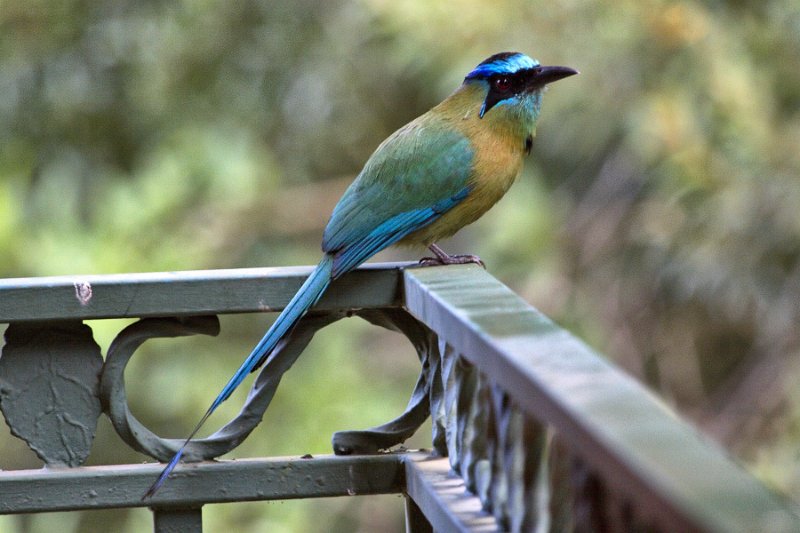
502,84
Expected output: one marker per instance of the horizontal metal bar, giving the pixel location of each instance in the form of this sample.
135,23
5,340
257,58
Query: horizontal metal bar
196,484
188,293
638,445
443,497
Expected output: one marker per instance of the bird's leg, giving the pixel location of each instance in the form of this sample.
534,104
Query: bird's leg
443,258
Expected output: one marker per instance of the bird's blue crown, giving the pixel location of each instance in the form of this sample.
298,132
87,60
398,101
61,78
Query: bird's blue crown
502,63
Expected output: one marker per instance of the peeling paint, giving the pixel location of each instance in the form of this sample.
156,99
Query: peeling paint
83,292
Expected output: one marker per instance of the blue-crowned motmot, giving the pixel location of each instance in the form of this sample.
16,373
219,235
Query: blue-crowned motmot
429,179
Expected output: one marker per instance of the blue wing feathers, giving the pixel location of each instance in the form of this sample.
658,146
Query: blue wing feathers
391,231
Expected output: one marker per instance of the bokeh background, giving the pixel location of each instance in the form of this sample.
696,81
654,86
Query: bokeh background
658,216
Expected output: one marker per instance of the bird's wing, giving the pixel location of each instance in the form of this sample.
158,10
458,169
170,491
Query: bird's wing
415,176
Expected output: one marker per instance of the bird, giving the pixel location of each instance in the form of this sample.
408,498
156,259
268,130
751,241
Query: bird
427,180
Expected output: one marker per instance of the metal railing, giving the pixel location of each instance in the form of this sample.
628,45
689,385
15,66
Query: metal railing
531,430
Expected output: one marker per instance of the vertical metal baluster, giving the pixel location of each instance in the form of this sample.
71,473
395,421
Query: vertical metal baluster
166,520
416,522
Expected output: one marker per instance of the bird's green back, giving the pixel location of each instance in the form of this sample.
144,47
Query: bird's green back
420,166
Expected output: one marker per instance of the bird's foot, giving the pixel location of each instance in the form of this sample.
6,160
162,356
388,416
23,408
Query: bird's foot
452,260
443,258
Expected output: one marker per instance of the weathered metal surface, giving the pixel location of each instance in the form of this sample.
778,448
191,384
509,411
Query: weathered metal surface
112,384
496,449
443,497
667,472
102,487
546,434
188,293
49,378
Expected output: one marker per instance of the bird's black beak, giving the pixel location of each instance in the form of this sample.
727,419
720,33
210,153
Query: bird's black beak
544,75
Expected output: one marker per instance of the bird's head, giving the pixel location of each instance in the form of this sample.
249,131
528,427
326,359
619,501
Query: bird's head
515,80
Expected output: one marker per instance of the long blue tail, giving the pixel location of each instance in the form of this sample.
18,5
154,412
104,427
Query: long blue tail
309,293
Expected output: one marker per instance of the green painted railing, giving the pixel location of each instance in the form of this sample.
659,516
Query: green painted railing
532,430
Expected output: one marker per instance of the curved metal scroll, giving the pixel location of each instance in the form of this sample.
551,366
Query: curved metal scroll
133,432
395,432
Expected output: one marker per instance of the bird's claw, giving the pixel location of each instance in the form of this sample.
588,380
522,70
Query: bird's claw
452,260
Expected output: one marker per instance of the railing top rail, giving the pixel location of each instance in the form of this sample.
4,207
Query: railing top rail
610,420
188,293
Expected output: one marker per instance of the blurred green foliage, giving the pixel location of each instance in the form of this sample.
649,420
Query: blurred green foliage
659,215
